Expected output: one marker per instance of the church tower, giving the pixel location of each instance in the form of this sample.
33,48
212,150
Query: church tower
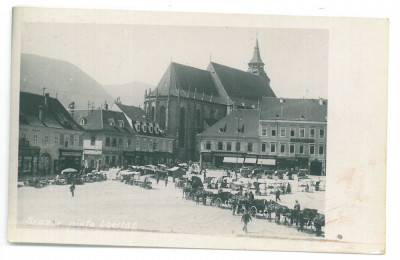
256,65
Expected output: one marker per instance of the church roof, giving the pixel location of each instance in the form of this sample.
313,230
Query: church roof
294,109
187,81
241,84
133,112
256,55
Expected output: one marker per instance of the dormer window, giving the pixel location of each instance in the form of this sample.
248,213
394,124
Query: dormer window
222,129
121,123
137,126
111,122
151,128
144,127
83,121
156,129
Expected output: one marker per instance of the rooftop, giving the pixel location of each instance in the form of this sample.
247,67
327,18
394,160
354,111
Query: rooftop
294,109
54,114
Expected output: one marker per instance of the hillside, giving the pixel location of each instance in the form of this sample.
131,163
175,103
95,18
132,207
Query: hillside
130,94
61,77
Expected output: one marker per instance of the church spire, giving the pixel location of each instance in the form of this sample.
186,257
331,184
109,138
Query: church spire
256,65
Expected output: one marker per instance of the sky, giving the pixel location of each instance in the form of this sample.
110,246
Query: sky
296,60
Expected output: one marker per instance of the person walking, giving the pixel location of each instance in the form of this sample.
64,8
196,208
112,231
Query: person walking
246,218
158,178
166,181
277,195
234,204
72,189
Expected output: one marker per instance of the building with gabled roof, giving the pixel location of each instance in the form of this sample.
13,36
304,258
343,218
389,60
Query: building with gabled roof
293,133
187,97
153,145
49,138
283,134
108,135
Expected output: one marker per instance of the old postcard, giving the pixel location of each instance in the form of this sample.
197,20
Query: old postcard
198,130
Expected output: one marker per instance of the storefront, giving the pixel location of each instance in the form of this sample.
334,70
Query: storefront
70,159
112,158
28,160
93,159
291,163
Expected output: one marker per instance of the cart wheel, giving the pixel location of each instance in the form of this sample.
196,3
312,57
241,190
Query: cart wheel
219,202
253,211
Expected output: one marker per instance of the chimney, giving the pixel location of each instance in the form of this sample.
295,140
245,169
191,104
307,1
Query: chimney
41,113
321,101
281,99
46,99
105,105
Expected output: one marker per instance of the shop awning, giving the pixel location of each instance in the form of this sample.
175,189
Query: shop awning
233,160
266,161
250,160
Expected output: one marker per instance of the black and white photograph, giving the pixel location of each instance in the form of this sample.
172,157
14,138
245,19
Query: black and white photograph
178,129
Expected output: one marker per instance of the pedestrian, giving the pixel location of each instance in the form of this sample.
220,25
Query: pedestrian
72,189
277,195
166,180
158,178
246,218
288,188
205,175
234,206
251,196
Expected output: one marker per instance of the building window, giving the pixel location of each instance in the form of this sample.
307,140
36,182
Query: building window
150,144
273,132
312,132
120,142
283,131
301,149
220,146
282,148
237,146
144,144
56,141
137,143
66,142
128,144
264,130
107,159
228,146
249,147
208,145
108,141
273,147
292,132
302,132
46,140
35,139
121,123
93,140
263,147
76,141
111,122
312,149
155,145
321,150
321,133
291,148
23,136
114,142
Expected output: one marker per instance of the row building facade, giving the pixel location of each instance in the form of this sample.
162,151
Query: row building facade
280,134
49,138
